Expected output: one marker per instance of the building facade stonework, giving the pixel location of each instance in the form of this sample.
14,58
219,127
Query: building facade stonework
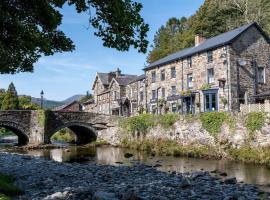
116,94
217,74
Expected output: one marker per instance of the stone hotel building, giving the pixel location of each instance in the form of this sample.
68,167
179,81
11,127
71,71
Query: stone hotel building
217,74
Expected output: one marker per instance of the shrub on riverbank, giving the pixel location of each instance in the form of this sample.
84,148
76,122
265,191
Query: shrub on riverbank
7,188
212,121
255,121
142,123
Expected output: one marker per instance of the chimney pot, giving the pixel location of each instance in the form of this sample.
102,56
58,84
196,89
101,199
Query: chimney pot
199,39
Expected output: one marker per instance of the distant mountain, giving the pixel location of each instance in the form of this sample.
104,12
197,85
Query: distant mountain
76,97
49,104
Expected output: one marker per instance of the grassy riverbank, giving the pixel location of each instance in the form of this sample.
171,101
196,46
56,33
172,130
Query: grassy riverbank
7,189
135,127
171,148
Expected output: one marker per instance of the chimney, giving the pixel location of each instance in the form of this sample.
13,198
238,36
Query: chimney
118,72
199,39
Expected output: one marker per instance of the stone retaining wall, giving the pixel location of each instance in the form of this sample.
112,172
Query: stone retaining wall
192,133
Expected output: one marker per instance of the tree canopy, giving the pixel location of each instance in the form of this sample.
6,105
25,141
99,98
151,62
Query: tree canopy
10,101
30,29
213,17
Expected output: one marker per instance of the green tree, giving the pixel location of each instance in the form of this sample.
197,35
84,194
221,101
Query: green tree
164,40
87,97
2,96
30,29
213,17
26,104
11,101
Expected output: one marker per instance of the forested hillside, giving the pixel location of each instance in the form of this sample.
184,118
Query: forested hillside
212,18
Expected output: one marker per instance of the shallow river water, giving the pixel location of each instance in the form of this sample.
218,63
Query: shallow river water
247,173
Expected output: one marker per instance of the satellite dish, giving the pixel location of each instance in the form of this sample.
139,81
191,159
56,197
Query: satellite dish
242,62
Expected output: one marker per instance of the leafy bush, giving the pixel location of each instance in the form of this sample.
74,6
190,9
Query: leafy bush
255,121
166,121
143,122
140,123
212,121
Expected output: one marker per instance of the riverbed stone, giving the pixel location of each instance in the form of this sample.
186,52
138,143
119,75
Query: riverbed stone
135,182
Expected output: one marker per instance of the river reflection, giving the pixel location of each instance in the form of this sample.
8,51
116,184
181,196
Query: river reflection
248,173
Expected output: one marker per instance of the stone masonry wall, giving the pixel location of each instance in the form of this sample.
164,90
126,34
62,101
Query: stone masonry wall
254,49
198,70
191,133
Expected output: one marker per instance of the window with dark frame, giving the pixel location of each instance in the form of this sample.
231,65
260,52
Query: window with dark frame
141,96
153,75
173,72
162,75
209,56
173,90
154,94
261,75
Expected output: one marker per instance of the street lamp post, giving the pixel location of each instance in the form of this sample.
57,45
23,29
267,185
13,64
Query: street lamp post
41,99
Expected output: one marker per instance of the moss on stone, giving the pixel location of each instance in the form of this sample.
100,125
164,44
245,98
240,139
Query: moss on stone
254,121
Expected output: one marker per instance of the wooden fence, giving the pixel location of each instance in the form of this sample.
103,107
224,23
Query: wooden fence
258,107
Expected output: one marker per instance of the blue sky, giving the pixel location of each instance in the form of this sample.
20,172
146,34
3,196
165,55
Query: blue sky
63,75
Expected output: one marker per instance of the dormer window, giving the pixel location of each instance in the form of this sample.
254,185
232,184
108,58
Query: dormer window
189,62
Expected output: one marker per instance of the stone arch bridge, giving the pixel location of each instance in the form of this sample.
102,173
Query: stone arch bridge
37,127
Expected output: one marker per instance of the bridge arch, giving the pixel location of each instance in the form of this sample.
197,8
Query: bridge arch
17,130
84,132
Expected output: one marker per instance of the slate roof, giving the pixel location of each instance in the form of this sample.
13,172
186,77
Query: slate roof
139,78
58,108
104,78
211,43
124,80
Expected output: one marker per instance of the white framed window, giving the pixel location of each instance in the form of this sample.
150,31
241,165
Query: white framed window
261,75
189,81
189,62
210,75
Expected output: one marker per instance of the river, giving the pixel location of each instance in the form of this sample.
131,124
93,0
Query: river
246,173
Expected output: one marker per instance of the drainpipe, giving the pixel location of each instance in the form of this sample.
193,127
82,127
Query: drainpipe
182,103
228,82
238,87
